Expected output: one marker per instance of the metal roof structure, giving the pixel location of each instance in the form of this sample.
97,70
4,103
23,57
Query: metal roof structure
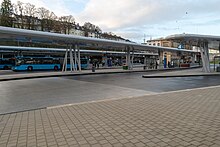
17,48
196,39
12,33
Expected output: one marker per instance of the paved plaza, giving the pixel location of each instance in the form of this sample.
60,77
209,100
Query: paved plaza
27,94
185,118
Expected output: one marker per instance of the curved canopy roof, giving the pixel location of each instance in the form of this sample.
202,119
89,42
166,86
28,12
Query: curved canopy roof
6,32
193,37
17,48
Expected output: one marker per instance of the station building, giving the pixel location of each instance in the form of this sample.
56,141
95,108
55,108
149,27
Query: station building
174,58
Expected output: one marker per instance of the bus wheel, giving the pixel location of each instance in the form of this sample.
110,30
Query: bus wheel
56,68
5,68
30,68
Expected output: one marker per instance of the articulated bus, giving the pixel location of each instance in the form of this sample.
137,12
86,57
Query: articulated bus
42,63
6,63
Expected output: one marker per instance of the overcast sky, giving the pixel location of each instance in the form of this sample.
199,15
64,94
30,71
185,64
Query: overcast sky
134,19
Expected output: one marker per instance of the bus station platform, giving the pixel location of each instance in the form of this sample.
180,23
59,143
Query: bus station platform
181,73
180,118
31,75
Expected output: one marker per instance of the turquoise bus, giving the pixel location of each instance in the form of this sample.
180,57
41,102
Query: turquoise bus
6,63
43,63
36,63
84,63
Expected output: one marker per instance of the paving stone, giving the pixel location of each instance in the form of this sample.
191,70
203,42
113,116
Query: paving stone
186,118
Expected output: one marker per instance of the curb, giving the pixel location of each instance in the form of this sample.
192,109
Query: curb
91,73
172,76
26,110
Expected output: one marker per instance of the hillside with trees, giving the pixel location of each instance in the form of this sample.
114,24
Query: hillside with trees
28,16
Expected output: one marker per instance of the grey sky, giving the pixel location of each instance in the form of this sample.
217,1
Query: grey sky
134,18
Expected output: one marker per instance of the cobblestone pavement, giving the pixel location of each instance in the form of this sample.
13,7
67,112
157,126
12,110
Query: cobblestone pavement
185,118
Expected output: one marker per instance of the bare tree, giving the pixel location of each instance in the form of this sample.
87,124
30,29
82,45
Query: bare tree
98,29
70,23
19,14
98,32
67,23
43,14
30,11
51,21
89,27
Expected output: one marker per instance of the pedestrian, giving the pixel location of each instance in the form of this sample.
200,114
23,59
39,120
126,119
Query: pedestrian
172,64
103,63
97,64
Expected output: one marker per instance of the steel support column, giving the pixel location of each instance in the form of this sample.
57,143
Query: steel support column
205,56
128,57
65,61
145,62
75,58
193,58
72,67
132,59
160,54
79,59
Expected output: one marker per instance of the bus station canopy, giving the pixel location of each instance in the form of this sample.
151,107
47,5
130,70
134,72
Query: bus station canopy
13,33
18,48
195,39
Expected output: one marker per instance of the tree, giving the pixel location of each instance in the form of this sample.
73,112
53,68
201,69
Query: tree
64,24
87,28
43,14
51,22
30,12
98,32
19,13
6,13
70,21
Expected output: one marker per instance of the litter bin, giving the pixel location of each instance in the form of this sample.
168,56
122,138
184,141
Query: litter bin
93,68
125,67
218,69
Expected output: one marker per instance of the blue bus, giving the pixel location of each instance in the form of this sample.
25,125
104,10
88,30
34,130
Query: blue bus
6,63
84,63
43,63
36,63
